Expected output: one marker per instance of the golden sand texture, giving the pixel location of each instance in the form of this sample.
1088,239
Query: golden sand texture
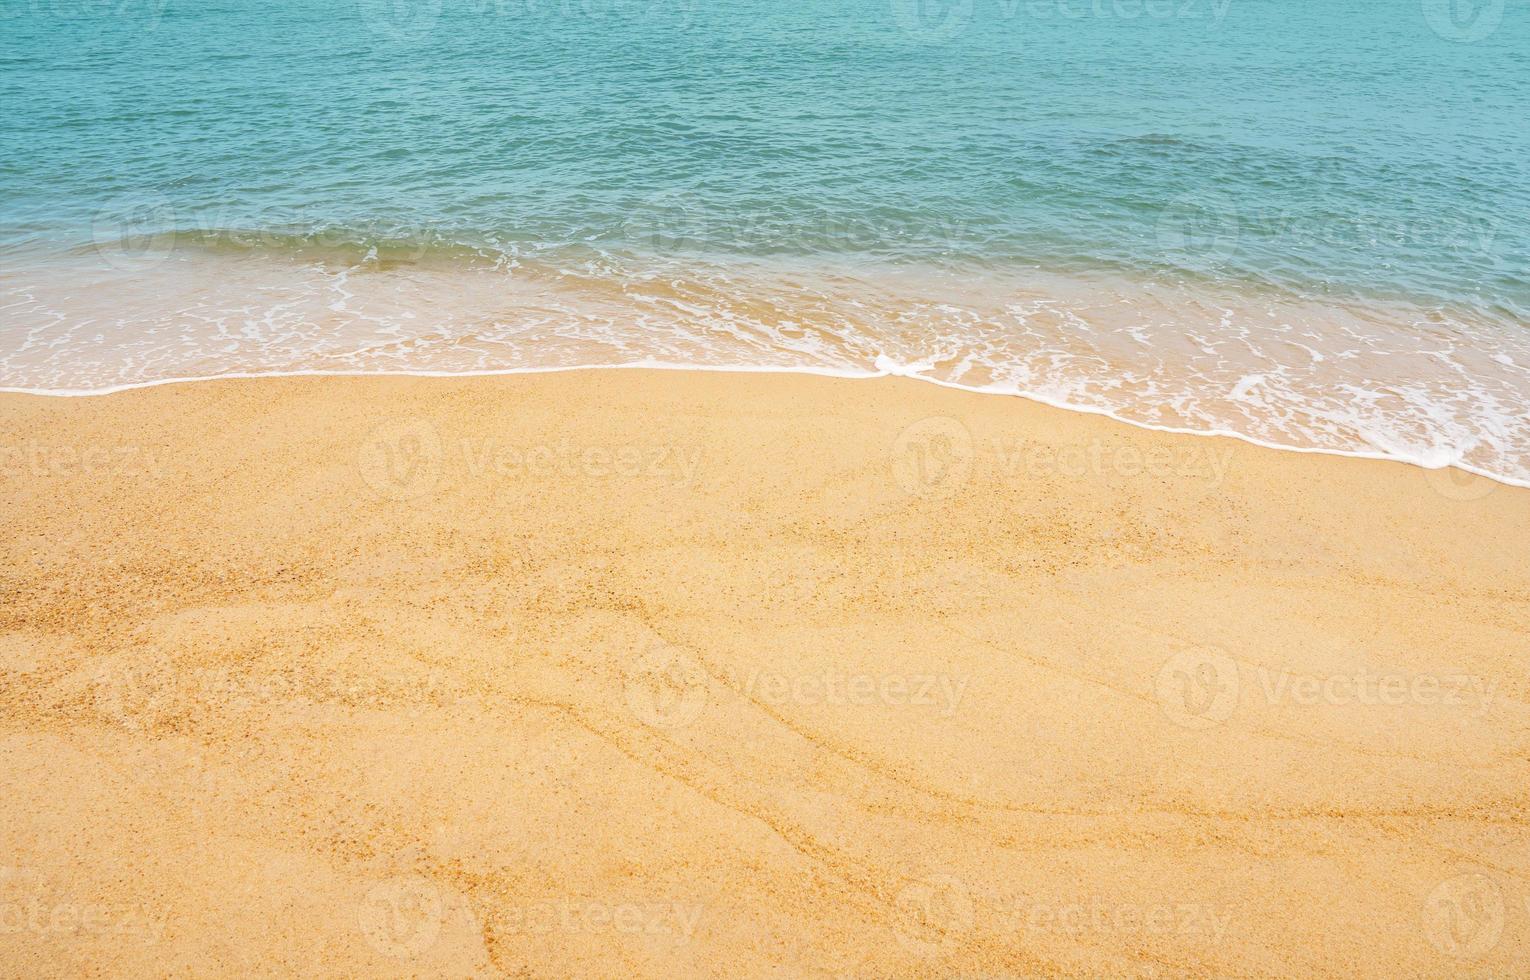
634,673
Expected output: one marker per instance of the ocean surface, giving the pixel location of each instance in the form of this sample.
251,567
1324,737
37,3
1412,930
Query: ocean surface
1303,222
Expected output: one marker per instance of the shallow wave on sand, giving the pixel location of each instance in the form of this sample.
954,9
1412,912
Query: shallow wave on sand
1388,379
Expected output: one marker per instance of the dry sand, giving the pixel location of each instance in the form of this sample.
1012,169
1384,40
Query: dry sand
668,674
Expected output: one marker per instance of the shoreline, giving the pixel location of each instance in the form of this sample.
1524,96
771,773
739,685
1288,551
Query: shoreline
665,673
902,372
1384,379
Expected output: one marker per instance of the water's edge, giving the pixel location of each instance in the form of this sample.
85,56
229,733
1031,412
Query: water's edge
886,372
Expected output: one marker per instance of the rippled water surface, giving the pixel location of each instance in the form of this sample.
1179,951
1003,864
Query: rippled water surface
1303,222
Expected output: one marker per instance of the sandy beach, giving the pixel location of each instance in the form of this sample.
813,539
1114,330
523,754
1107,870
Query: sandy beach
638,673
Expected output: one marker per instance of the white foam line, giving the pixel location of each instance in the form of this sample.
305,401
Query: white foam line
766,369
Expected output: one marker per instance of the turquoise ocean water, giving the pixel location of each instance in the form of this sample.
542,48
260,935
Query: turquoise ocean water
1306,223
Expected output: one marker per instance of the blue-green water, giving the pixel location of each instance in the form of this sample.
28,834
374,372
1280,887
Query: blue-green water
1302,221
